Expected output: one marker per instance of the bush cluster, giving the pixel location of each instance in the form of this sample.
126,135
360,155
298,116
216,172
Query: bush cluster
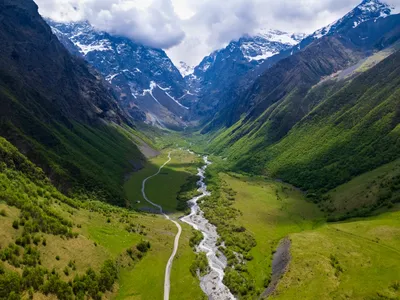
188,191
38,279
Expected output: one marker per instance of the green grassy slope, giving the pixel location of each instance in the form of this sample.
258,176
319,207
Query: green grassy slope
374,191
48,239
71,236
55,109
351,132
353,129
76,156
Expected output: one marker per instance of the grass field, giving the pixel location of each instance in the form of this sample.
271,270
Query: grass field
363,191
163,188
183,284
356,259
367,252
270,211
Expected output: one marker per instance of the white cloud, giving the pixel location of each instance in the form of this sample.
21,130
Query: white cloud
191,29
151,22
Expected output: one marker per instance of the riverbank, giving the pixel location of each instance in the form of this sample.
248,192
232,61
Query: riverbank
212,283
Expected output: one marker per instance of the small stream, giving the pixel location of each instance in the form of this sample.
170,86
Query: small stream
212,283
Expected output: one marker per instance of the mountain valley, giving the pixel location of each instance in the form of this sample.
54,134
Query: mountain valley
282,149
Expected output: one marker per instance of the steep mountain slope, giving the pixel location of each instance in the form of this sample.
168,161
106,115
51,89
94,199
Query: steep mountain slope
57,111
374,33
369,11
231,63
133,70
352,128
323,83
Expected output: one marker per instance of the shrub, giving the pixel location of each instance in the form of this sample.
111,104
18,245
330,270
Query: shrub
54,285
15,224
33,277
36,240
31,256
196,238
57,257
143,246
3,213
10,285
72,265
200,265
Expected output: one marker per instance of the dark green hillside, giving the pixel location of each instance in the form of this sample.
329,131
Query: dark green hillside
57,111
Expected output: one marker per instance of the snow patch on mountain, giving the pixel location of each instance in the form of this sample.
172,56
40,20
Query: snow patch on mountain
281,37
97,46
149,91
154,85
133,70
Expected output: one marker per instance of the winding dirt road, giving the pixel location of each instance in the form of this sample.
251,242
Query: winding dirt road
167,280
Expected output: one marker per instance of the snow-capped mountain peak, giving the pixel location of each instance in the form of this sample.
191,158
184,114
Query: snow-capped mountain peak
365,11
185,69
267,43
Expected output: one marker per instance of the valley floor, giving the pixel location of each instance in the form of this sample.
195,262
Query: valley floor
354,259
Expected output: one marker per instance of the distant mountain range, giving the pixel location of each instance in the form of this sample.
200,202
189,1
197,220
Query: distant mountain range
357,28
155,91
147,83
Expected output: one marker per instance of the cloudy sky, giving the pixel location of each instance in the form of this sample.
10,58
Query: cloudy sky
191,29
